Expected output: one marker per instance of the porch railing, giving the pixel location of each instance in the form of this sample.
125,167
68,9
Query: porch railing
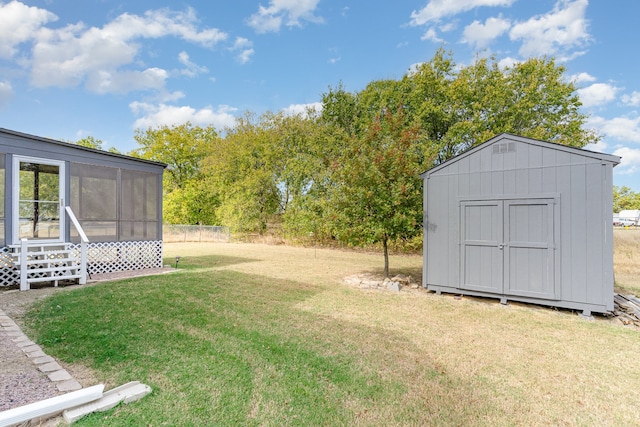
50,263
84,241
76,224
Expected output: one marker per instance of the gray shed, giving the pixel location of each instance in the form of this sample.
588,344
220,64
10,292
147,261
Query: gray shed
521,219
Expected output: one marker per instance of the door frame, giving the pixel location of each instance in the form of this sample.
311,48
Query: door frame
503,202
61,164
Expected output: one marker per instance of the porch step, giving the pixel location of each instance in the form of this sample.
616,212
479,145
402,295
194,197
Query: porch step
47,262
54,278
54,260
54,269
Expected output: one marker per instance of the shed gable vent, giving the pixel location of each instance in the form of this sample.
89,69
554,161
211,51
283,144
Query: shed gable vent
505,147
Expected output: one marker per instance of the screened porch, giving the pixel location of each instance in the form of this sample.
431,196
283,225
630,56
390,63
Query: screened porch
58,194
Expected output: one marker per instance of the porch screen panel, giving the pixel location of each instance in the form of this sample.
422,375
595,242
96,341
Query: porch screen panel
94,201
139,206
2,181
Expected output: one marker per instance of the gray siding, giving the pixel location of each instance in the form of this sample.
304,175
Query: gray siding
579,185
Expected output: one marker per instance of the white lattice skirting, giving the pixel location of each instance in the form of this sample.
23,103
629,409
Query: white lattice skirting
102,257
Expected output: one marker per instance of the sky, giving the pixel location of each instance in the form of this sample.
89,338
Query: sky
103,68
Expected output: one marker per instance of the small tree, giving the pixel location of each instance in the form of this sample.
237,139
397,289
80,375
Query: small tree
377,191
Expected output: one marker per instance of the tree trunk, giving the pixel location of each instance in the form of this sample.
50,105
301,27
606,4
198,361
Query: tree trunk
385,249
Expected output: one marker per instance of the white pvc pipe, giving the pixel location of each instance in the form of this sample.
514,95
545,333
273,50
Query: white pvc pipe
49,407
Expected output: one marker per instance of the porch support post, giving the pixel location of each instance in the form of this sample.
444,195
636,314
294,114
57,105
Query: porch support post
24,285
83,263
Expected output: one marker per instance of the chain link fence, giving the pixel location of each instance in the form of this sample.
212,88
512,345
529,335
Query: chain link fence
195,233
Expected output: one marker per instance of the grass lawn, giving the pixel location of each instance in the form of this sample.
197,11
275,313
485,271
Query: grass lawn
626,259
267,335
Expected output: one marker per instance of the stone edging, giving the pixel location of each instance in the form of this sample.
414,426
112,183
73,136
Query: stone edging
46,364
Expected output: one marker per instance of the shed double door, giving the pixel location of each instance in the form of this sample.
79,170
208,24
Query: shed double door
508,247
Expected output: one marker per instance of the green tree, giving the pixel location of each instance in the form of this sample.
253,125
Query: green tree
378,193
266,170
90,142
98,144
459,107
187,200
339,109
242,172
624,198
435,112
181,147
196,203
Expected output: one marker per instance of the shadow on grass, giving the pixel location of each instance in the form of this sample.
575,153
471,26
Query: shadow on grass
241,343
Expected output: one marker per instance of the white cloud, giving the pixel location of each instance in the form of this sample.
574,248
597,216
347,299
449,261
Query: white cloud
449,26
104,81
242,43
438,9
96,56
171,96
481,35
162,23
6,93
597,94
600,147
245,56
244,49
632,100
295,109
265,22
192,69
155,115
563,28
582,78
624,129
507,62
432,35
629,160
18,24
290,12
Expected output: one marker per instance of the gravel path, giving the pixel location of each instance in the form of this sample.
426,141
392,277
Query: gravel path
21,382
